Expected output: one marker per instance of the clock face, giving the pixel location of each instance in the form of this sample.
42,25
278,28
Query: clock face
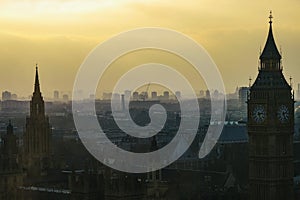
283,113
259,114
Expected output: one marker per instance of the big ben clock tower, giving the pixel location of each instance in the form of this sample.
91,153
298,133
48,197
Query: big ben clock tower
270,129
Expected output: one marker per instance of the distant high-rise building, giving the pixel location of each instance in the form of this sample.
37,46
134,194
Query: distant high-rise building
166,95
143,96
116,96
207,94
216,94
123,101
201,94
178,94
106,95
127,94
270,129
6,96
92,96
116,100
14,96
243,95
135,96
66,97
55,95
37,135
154,95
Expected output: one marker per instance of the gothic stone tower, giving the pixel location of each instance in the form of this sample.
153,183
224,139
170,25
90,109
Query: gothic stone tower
11,175
37,135
270,129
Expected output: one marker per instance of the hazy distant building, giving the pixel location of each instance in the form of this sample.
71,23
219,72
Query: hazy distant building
37,135
116,96
207,94
116,100
178,94
14,97
6,96
243,95
123,101
92,96
56,95
106,95
154,95
216,94
143,96
270,129
127,95
14,105
201,94
135,96
65,97
166,95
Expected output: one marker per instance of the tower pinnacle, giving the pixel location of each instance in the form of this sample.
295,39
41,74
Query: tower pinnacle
270,57
37,82
270,17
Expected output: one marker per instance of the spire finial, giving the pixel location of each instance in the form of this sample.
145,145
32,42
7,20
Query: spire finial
37,82
270,17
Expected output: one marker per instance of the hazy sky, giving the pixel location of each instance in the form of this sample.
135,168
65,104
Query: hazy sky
58,34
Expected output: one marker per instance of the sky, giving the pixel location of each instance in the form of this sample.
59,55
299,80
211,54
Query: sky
59,34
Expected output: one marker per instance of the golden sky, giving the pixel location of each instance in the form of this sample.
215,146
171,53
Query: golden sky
58,34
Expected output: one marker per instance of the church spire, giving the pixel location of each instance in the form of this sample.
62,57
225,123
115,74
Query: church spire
37,82
37,102
270,57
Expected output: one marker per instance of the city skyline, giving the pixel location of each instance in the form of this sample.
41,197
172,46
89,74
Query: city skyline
231,33
151,141
66,95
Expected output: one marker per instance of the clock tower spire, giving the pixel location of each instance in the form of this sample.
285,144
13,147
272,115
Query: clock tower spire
270,58
270,128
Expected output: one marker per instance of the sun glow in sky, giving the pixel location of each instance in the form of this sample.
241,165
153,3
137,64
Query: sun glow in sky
46,8
58,34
